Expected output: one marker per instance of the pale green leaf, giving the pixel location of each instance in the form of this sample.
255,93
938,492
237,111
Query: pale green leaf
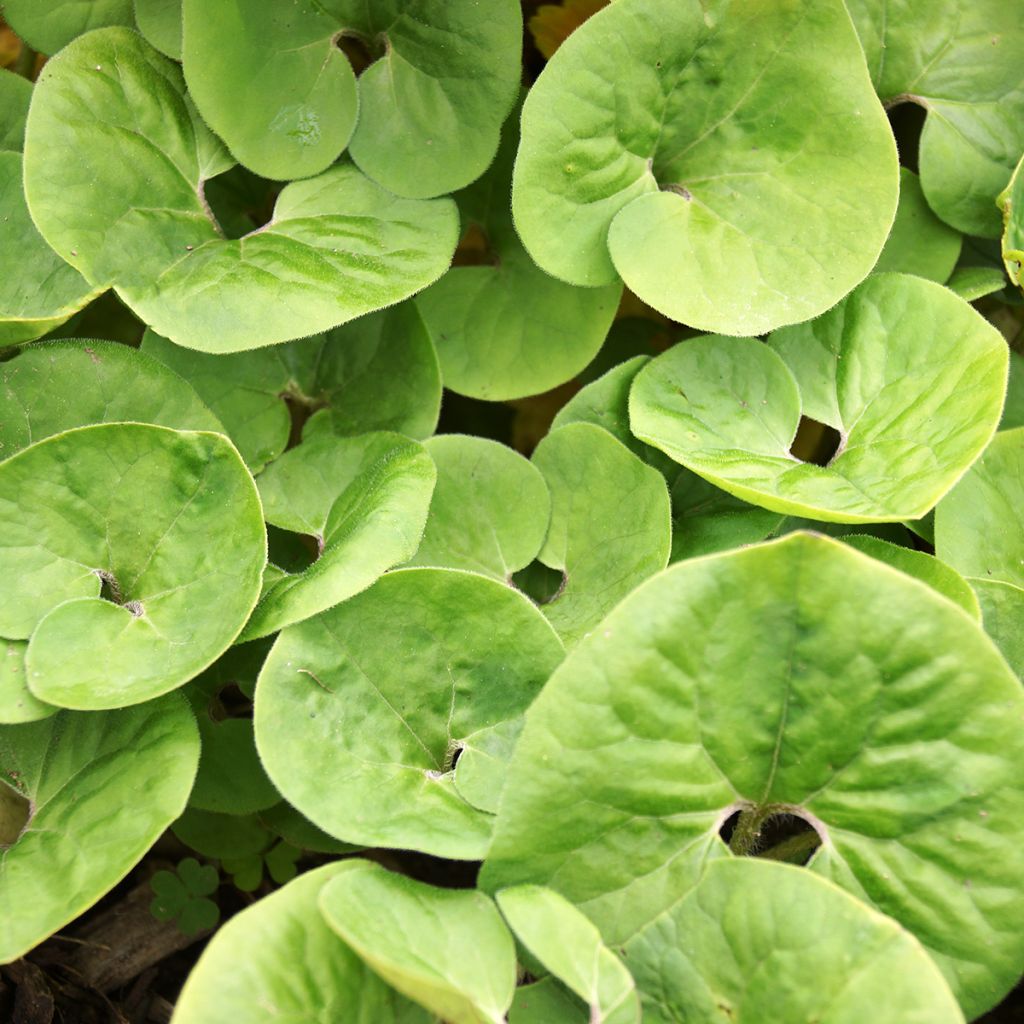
17,703
1002,609
160,22
49,25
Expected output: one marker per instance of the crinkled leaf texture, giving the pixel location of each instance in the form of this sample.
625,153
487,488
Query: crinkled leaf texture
758,940
38,290
379,372
278,961
910,376
134,555
504,328
363,500
423,118
567,944
58,385
726,158
129,211
361,711
960,60
101,788
801,678
446,948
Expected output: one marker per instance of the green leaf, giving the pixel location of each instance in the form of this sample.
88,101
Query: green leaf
180,896
798,678
919,243
17,703
38,290
49,25
58,385
101,788
909,375
298,831
446,948
337,246
223,836
490,509
569,946
160,22
729,161
274,84
277,960
493,324
733,949
378,373
610,524
1011,202
363,499
15,96
360,712
1002,609
546,1002
134,555
960,61
483,760
1013,410
978,524
928,569
705,518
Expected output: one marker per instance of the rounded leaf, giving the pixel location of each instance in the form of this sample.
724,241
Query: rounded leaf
796,678
336,247
134,555
728,160
49,25
100,788
909,375
160,22
734,950
17,702
361,711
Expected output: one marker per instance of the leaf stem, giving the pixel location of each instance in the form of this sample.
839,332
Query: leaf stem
748,830
793,849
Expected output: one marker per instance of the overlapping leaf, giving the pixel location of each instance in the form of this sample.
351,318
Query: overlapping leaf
129,211
49,25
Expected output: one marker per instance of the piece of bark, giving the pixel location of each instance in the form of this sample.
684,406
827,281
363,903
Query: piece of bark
121,942
33,997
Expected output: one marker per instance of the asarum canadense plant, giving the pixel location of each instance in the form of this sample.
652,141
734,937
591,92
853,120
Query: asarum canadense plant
514,508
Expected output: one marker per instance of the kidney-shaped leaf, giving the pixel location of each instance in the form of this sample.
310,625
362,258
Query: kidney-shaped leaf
98,790
490,509
798,678
273,82
133,555
756,940
728,160
129,211
58,385
362,501
361,712
567,944
910,376
610,524
959,60
504,328
446,948
379,372
278,961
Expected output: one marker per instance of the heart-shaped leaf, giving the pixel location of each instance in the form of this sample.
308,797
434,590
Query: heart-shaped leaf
160,22
959,60
919,243
38,290
134,555
363,501
798,680
446,948
58,385
361,712
100,788
277,87
337,246
378,373
729,161
909,375
504,328
490,509
733,949
568,945
610,524
278,957
49,25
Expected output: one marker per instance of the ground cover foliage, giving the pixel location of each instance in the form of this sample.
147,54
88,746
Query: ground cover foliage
511,512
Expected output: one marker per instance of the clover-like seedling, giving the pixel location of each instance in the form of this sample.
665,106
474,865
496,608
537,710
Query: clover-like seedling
182,896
